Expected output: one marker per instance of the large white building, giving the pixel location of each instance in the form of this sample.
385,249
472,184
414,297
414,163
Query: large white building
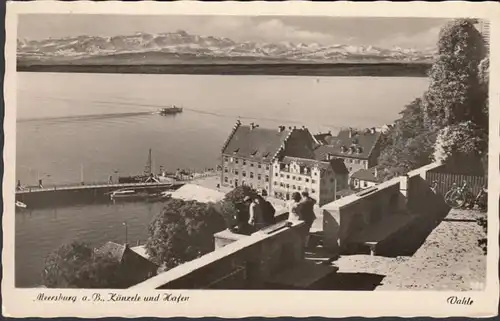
321,179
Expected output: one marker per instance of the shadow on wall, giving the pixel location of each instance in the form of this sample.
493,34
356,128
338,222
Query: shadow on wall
350,282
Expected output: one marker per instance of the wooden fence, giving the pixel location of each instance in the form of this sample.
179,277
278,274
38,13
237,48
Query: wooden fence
445,181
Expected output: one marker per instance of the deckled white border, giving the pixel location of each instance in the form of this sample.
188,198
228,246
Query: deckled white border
20,302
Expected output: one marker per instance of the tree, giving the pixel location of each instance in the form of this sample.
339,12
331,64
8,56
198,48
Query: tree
453,108
455,94
183,231
231,200
77,265
408,145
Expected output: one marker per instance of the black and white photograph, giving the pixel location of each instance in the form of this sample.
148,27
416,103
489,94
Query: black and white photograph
165,152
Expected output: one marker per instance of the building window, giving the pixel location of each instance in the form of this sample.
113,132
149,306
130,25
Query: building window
275,183
313,191
281,184
251,174
288,176
299,188
251,164
226,159
332,180
236,172
365,184
276,174
226,170
294,187
307,180
281,175
259,166
313,181
299,178
225,179
293,177
244,162
236,161
267,167
287,185
244,174
267,178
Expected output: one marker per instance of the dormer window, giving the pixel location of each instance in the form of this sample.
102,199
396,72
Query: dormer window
360,150
343,149
236,150
351,149
253,153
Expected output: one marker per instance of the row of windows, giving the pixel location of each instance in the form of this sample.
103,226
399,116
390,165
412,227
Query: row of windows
298,178
244,174
244,162
230,181
298,187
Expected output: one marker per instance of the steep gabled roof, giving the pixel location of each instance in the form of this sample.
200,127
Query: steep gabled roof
257,143
123,254
348,143
369,175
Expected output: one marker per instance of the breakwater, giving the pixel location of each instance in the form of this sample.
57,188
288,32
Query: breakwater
83,194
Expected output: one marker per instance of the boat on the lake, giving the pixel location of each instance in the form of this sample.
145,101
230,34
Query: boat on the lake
169,110
21,204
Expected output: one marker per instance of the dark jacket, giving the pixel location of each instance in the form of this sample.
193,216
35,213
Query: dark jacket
307,209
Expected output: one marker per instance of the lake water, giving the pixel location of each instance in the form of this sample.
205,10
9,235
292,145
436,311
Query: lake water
104,124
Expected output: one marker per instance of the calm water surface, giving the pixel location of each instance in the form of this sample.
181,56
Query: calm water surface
104,124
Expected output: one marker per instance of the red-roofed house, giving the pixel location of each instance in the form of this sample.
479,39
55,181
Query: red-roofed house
322,179
359,149
249,152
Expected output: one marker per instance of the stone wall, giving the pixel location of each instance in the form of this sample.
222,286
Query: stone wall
244,262
410,194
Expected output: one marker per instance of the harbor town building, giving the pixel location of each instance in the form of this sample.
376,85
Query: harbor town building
321,179
359,149
250,151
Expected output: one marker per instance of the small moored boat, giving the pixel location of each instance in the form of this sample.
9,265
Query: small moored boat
20,204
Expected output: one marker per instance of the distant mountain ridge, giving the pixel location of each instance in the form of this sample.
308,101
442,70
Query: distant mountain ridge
182,47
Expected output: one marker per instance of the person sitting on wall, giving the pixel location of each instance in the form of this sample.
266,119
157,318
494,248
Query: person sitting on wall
242,216
307,212
268,210
256,214
294,208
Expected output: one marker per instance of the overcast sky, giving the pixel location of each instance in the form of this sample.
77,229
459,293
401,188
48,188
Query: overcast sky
385,32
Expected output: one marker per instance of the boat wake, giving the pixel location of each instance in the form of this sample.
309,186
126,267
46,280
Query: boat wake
80,118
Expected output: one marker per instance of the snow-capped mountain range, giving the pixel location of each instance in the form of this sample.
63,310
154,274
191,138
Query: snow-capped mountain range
180,46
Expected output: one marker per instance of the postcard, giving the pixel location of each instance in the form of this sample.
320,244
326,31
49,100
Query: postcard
251,159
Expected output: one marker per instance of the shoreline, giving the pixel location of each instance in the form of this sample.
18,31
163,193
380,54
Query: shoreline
336,69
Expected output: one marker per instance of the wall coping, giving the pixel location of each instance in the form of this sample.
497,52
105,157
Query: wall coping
425,168
209,258
356,198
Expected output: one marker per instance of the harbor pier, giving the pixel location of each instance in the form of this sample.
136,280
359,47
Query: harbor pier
39,197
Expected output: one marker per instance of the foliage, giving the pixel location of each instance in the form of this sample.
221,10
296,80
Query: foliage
408,144
461,139
183,231
76,265
454,107
455,94
231,201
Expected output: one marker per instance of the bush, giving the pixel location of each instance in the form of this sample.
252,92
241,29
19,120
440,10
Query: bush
76,265
182,232
232,200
